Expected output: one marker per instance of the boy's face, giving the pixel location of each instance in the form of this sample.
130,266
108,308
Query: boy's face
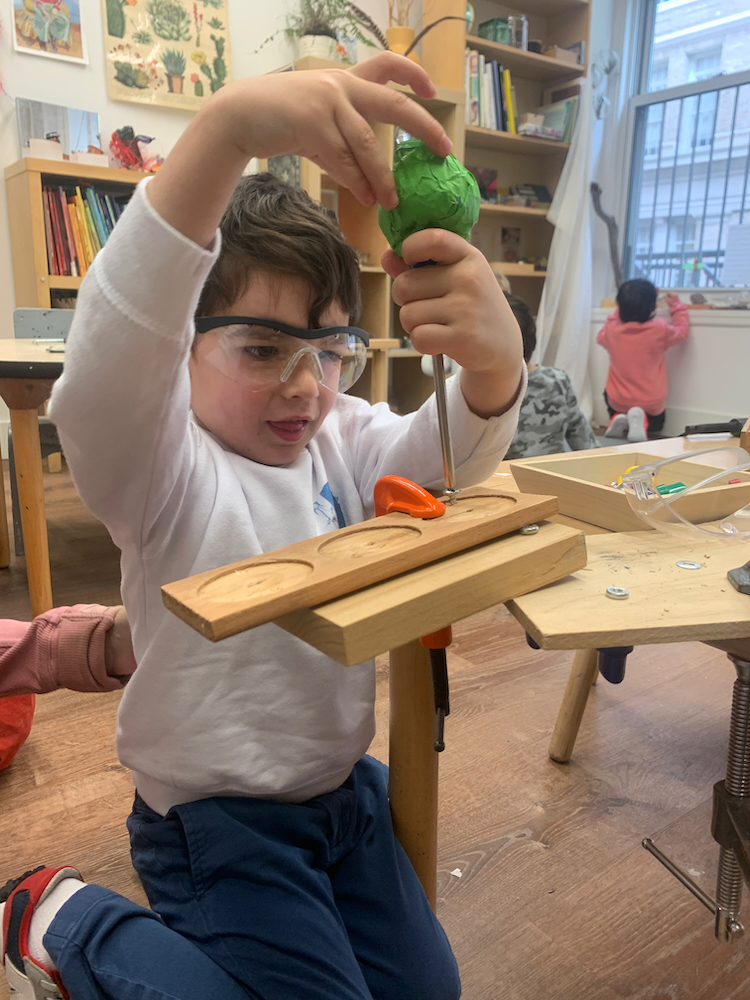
274,424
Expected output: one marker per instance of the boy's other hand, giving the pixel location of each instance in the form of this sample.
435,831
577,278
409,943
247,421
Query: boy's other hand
457,308
325,115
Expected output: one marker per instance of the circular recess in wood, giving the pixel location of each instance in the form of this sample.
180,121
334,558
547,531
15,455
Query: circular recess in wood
258,580
475,507
370,541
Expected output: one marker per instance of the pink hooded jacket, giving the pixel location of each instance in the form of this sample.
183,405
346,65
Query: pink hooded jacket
637,373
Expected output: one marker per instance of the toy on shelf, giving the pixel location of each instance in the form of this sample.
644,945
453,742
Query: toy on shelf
135,152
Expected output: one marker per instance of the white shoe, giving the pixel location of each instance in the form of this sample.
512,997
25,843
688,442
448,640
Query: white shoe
618,426
637,424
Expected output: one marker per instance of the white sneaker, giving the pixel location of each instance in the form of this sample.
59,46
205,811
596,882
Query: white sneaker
637,424
27,978
618,426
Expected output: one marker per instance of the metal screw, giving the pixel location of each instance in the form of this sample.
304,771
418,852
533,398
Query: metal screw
529,529
688,564
617,593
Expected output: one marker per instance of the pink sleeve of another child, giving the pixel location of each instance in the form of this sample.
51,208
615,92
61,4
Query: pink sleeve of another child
64,647
680,326
602,336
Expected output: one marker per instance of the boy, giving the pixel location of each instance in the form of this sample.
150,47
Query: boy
636,389
549,417
260,830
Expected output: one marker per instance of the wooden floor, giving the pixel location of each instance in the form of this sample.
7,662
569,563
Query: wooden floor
544,889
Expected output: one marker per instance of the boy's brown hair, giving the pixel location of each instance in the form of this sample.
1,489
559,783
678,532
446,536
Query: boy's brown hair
272,228
526,322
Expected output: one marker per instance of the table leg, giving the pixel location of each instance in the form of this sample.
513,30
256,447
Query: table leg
4,537
414,762
379,382
28,457
582,676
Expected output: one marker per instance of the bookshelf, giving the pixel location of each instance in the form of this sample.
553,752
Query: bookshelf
537,80
24,182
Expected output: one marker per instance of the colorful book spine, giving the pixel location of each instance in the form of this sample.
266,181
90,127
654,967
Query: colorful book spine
74,268
101,231
474,92
510,110
82,226
51,257
58,231
90,227
77,238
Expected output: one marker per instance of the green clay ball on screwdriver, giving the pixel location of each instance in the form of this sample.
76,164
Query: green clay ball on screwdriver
434,192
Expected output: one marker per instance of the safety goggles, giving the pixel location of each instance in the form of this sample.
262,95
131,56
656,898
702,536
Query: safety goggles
260,353
676,512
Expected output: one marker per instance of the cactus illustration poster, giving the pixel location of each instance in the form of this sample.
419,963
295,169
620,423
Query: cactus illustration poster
173,53
49,28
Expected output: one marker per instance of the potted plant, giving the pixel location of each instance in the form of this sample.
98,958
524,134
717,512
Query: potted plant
317,25
174,63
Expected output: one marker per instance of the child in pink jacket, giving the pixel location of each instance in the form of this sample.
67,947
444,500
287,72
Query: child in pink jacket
636,389
86,647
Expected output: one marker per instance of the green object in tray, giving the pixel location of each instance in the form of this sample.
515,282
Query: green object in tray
434,192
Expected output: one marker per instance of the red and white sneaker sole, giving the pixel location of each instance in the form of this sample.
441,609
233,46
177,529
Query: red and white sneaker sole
27,978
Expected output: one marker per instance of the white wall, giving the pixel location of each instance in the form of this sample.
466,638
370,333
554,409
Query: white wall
79,86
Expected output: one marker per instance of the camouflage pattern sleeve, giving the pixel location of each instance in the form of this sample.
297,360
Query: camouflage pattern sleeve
579,433
549,417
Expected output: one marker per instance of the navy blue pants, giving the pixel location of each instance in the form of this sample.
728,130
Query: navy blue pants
274,901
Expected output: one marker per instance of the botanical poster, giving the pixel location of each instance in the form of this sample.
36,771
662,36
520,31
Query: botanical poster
173,53
50,28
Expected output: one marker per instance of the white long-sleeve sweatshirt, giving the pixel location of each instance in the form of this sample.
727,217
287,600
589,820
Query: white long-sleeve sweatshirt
259,714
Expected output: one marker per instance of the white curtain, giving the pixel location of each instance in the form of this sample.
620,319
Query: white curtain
564,317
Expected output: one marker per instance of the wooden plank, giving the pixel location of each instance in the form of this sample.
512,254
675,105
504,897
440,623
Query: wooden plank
231,599
83,171
666,603
393,613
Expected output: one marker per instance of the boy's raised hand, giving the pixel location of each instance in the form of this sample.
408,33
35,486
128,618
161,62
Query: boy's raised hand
457,308
324,115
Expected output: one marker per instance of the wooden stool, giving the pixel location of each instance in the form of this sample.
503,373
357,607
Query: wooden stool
391,616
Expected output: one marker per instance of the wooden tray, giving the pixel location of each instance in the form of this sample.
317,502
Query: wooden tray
231,599
580,484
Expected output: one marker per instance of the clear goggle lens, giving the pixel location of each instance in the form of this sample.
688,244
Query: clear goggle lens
684,513
258,357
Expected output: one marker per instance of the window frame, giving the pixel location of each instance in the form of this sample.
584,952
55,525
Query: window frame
643,34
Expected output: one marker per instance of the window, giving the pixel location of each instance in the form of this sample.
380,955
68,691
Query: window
691,142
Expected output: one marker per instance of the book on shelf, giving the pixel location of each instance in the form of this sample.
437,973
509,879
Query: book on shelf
535,194
558,121
509,105
489,92
77,223
472,106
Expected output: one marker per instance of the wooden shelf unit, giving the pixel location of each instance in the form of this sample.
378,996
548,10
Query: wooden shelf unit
28,241
529,65
537,80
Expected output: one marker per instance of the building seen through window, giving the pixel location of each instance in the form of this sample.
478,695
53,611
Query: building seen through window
689,185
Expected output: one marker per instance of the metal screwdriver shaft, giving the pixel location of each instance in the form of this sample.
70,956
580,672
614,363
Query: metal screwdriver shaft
449,472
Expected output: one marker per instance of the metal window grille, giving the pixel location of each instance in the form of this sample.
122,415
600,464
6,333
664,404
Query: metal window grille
689,181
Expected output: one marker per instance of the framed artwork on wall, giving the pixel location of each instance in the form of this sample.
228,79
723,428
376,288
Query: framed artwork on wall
170,53
49,28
